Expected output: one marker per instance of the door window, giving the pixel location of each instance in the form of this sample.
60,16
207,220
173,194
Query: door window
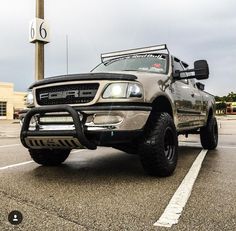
179,67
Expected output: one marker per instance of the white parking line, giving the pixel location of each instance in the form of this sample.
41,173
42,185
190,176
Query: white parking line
16,165
28,162
177,203
9,145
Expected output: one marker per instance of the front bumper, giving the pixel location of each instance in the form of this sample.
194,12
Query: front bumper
82,127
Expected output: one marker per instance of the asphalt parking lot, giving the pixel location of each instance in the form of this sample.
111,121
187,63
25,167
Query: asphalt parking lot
108,190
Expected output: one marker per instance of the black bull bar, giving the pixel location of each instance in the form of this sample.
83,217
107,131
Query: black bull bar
78,133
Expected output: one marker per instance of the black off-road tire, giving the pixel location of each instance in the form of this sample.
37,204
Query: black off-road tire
159,150
49,157
209,134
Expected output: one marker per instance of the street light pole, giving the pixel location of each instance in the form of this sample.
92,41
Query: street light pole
39,45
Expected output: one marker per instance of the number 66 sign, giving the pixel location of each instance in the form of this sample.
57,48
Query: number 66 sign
39,31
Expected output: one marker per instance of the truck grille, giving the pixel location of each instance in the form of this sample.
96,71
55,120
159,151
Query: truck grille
67,94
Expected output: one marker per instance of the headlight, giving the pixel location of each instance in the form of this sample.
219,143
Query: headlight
123,90
29,99
134,90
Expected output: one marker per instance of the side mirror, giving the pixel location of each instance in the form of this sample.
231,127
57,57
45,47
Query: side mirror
200,86
201,69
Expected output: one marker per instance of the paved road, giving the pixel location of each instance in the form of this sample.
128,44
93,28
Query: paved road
108,190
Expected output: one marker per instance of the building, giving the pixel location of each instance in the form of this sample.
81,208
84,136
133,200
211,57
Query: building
231,108
10,101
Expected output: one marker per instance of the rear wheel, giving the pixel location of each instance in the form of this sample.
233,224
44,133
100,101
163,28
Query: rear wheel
159,151
209,134
49,157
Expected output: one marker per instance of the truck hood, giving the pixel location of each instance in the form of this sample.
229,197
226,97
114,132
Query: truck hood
87,76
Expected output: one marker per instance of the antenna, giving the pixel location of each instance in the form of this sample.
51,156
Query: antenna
67,56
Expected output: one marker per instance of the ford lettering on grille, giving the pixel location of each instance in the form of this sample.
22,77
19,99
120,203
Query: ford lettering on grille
67,94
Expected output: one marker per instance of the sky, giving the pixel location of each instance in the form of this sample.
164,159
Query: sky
192,29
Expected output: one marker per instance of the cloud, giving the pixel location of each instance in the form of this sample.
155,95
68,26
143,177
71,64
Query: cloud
193,29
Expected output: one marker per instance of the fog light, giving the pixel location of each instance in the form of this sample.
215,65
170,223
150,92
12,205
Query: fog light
106,119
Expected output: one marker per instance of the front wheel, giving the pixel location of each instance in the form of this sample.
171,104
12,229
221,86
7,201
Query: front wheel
159,151
209,134
49,157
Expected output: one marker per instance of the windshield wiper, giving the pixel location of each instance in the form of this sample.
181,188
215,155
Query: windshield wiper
111,61
130,70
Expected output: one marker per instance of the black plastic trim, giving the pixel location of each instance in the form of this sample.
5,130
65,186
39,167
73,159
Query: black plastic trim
183,111
114,108
87,76
109,138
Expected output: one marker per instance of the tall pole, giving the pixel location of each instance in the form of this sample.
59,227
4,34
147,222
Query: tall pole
39,45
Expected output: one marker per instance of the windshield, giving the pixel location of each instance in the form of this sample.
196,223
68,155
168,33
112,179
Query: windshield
149,63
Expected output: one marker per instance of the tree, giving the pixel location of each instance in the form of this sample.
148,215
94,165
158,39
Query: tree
231,97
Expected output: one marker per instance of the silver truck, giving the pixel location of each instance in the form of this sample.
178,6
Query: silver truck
137,101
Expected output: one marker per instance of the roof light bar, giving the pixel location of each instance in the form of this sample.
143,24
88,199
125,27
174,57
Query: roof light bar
133,51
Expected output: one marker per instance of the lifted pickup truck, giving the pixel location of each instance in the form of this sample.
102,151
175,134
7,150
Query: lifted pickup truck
137,101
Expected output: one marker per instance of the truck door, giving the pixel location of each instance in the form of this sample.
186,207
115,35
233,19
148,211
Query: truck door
197,103
183,97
